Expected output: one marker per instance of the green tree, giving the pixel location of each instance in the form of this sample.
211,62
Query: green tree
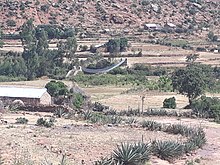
68,48
42,43
28,35
1,42
56,88
113,47
123,44
192,80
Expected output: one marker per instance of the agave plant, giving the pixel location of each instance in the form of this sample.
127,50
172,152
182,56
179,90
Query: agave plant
151,125
59,112
198,138
114,119
144,150
189,147
87,115
179,129
131,120
104,161
168,150
131,154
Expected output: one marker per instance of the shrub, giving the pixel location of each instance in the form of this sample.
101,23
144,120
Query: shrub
99,107
151,125
207,107
45,122
59,112
87,115
45,8
83,48
198,138
169,103
21,120
130,112
56,88
10,22
179,129
78,100
130,121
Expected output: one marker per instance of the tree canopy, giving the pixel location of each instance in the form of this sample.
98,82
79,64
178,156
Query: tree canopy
56,88
37,59
192,80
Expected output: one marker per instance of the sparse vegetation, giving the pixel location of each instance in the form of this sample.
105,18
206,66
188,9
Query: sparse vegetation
45,122
168,58
21,120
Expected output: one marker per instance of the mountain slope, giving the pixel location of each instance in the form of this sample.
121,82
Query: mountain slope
114,14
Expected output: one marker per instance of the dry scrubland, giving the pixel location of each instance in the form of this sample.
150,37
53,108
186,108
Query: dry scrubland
85,142
82,141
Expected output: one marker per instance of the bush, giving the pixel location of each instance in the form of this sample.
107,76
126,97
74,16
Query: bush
45,122
99,107
100,64
45,8
11,23
56,88
169,103
78,100
21,120
207,107
151,125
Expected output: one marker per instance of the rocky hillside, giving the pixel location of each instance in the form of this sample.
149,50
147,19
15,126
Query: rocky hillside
110,14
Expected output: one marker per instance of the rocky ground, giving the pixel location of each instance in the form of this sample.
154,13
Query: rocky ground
94,16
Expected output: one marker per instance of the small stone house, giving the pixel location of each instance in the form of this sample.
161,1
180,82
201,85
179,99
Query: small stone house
152,27
29,96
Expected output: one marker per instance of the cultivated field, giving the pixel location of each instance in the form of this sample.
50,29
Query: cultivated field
154,55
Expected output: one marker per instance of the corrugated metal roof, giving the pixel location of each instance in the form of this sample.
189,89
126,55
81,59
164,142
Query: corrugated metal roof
7,91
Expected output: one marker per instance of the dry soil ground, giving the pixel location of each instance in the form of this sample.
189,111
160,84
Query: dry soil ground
78,140
85,142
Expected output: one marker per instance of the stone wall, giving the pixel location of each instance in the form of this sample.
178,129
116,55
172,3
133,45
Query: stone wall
44,108
28,101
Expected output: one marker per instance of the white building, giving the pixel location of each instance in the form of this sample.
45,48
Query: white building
29,96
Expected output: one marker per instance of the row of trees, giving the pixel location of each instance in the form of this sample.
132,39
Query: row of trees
1,42
37,59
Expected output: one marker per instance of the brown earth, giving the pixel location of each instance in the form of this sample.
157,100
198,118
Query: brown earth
78,140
